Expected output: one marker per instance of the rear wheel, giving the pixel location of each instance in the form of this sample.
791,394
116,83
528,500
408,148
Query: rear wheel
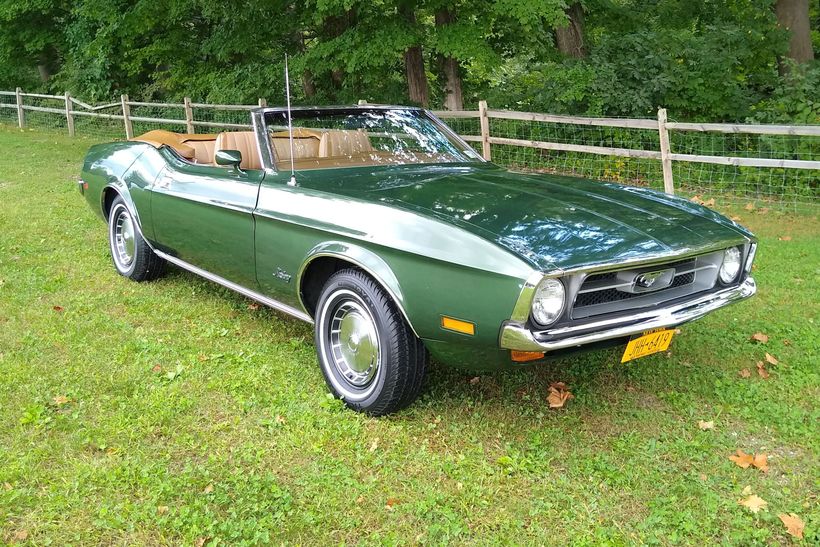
369,356
132,256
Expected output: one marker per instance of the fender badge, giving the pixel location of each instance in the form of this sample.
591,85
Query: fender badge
282,274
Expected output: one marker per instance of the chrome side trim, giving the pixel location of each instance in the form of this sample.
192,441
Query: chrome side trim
516,336
523,306
262,299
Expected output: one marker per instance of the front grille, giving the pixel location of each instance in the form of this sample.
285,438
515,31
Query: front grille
613,292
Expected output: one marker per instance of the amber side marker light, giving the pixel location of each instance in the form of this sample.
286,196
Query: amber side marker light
523,356
457,325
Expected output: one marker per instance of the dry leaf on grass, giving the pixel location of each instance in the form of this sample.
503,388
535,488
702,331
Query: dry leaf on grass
559,395
785,238
58,309
794,525
21,535
374,445
787,342
761,370
771,359
253,306
760,337
763,210
474,380
696,199
391,502
200,542
750,206
706,425
761,461
745,373
208,489
742,459
735,219
754,502
162,509
60,400
709,202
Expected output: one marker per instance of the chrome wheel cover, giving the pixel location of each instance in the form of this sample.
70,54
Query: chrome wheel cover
123,238
350,344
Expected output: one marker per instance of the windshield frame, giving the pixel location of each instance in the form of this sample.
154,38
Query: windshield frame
262,116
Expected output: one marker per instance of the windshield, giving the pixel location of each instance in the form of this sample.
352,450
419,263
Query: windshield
355,136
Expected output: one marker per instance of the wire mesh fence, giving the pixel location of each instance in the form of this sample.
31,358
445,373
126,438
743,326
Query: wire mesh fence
714,160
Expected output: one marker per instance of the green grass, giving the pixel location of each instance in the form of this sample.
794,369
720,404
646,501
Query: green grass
236,439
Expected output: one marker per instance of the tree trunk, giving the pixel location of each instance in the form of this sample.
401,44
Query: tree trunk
414,64
45,73
793,15
570,38
453,97
308,86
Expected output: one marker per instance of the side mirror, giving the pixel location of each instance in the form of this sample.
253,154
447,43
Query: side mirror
228,157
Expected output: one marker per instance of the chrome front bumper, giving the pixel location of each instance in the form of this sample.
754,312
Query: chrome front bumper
516,336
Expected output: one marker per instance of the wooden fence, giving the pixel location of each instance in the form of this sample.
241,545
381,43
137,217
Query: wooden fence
72,108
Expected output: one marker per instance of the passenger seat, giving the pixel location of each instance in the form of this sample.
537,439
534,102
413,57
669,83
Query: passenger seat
344,143
245,142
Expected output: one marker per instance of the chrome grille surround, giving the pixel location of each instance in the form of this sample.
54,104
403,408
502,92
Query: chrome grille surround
614,292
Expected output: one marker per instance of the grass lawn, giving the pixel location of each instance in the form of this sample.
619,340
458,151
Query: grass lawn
172,412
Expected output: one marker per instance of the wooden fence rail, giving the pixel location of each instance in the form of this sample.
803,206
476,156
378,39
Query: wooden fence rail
72,107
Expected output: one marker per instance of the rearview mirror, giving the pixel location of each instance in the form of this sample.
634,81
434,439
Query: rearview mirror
228,157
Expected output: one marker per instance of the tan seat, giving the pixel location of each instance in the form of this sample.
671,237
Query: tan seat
197,148
344,143
203,150
245,142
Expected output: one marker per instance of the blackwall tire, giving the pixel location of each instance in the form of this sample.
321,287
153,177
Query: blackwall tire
131,255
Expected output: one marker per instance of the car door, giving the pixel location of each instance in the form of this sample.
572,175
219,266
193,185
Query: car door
203,215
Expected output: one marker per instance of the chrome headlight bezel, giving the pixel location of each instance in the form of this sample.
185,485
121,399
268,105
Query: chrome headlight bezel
731,265
750,258
547,315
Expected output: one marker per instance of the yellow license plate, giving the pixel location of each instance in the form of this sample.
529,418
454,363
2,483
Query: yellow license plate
647,344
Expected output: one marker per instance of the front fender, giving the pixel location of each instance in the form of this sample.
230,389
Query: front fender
365,259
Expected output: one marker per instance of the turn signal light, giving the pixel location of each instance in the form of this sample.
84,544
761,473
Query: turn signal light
457,325
524,356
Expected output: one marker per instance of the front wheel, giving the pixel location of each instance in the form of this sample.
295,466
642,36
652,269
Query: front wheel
369,356
132,256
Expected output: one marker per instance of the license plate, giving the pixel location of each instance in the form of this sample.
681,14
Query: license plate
648,343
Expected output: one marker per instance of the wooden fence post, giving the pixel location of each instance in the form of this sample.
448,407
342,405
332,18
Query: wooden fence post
69,116
189,116
262,102
485,130
126,117
666,160
21,114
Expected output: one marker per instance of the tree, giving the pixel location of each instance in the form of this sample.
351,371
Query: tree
453,96
569,38
793,16
414,59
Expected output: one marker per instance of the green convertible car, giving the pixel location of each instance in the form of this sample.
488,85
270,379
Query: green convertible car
391,235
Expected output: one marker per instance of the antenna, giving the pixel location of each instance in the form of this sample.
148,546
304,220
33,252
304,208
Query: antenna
292,181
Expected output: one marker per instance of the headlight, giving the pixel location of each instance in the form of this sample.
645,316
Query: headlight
751,257
548,301
731,265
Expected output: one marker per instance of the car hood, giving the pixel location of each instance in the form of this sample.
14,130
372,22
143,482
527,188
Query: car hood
550,221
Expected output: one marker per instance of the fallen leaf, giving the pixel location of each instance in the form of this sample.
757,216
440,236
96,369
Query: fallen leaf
360,500
202,357
745,373
559,395
703,476
761,461
280,419
771,359
706,425
21,535
208,489
474,380
60,400
696,199
390,503
787,342
162,509
156,369
761,370
763,210
735,219
200,542
374,445
794,525
253,306
58,309
709,202
785,238
760,337
754,502
742,459
750,206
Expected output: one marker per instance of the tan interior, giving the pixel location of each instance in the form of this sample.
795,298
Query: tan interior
312,149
